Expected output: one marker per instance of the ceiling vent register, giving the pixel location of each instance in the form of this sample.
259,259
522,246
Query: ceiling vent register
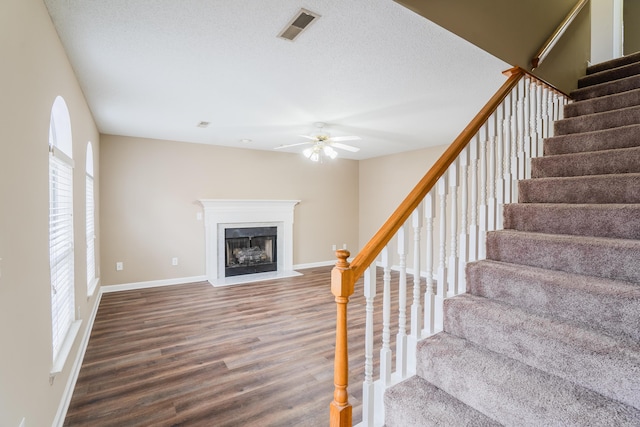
302,20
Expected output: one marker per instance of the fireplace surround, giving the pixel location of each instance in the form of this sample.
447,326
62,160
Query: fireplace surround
244,221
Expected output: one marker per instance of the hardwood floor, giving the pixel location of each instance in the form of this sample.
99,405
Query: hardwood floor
257,354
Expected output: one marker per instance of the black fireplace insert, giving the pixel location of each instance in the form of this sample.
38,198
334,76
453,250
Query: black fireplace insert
250,250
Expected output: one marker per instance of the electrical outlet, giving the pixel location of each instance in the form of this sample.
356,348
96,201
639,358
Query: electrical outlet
199,216
119,266
174,261
333,247
344,246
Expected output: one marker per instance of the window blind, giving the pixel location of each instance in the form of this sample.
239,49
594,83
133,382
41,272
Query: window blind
61,247
91,237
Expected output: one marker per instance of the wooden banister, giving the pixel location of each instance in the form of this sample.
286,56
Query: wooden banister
371,250
344,275
557,34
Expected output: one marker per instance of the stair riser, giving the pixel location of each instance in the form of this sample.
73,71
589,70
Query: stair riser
562,295
511,392
602,104
622,137
610,75
616,221
603,89
600,121
586,358
593,163
587,189
608,258
415,402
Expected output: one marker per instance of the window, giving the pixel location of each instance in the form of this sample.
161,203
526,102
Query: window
61,255
90,223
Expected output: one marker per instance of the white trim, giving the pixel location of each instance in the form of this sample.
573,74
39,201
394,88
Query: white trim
151,284
257,277
58,421
65,348
221,213
314,264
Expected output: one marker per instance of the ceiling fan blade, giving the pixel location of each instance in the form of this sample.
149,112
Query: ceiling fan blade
345,138
313,138
345,147
291,145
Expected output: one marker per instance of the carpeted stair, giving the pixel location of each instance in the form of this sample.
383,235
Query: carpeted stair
548,333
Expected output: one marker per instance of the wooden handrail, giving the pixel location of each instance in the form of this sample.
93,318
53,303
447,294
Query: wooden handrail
557,34
371,250
344,275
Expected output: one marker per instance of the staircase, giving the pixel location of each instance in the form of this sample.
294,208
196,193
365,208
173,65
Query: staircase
548,332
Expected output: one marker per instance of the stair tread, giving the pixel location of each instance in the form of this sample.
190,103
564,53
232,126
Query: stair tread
618,137
513,393
601,162
617,259
613,63
598,121
610,74
568,350
616,220
611,188
607,88
416,402
603,103
560,294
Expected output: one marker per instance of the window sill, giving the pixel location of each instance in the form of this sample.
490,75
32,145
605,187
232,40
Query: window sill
59,362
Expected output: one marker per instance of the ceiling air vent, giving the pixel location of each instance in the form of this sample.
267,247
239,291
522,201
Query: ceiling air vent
299,23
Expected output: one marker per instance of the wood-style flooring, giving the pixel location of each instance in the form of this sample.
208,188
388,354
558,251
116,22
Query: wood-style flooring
258,354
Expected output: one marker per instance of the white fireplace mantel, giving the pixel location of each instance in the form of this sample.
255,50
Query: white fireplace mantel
220,214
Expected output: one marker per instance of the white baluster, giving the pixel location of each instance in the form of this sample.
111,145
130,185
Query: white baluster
385,351
514,142
429,295
368,386
473,225
401,337
499,190
491,189
416,306
520,129
463,250
452,270
540,96
506,131
442,268
526,125
482,191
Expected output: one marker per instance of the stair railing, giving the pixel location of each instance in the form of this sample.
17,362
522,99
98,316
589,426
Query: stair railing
454,205
557,34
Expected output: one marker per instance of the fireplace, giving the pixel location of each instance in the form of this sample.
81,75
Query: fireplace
260,232
250,250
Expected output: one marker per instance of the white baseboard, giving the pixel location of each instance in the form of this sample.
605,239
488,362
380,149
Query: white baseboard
75,369
314,265
151,284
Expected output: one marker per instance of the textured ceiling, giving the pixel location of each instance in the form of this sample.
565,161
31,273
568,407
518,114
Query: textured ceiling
371,68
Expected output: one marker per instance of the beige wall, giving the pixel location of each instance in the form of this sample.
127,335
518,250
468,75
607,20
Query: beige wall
515,30
149,199
34,71
631,26
386,181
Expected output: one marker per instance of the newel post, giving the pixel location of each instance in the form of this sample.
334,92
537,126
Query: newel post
342,288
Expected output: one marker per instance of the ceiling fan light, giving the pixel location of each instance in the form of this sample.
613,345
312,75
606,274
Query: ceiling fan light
315,157
308,152
330,152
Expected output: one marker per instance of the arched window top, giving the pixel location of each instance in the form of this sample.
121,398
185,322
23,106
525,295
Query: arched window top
60,127
89,159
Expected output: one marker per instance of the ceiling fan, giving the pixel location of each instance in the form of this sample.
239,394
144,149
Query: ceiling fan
323,144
